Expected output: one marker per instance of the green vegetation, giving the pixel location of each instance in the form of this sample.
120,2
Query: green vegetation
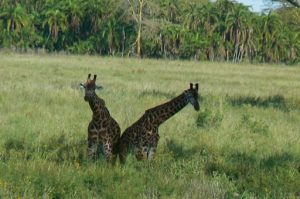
243,143
198,29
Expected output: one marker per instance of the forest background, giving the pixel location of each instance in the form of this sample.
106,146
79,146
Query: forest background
177,29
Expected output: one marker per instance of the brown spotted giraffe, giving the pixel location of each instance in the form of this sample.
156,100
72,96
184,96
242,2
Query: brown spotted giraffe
142,137
103,130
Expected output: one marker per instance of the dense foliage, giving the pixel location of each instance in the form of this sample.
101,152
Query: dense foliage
199,30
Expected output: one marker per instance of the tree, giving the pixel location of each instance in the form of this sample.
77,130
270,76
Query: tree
55,20
269,26
295,3
290,16
15,17
17,29
239,29
195,29
74,13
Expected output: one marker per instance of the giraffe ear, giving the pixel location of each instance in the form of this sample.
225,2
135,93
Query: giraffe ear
197,86
99,87
191,86
89,76
82,85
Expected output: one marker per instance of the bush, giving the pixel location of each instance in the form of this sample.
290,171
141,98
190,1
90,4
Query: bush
208,118
82,47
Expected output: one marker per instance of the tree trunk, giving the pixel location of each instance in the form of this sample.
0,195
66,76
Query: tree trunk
139,35
123,41
138,41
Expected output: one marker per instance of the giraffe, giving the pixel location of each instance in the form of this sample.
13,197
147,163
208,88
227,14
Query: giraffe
142,136
103,130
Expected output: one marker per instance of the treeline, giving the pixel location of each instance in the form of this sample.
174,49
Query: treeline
201,30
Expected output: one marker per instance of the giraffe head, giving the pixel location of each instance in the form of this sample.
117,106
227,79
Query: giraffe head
90,87
192,96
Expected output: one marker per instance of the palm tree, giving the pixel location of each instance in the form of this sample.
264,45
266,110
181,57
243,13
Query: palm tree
55,20
210,26
224,7
74,10
15,17
94,14
16,23
169,36
170,10
239,30
293,46
201,20
268,28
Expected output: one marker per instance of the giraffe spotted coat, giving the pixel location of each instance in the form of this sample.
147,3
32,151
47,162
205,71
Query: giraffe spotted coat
141,137
103,130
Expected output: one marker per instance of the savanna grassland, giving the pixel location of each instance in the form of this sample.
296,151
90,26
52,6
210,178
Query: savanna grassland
243,143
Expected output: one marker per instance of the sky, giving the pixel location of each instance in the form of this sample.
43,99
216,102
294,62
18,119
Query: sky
257,5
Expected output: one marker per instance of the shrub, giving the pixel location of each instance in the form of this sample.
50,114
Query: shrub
15,144
82,47
208,118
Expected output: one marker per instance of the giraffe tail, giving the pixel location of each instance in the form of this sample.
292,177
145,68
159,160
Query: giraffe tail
119,149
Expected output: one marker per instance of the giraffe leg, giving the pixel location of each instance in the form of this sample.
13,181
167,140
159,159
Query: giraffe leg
113,158
92,148
108,152
100,149
124,147
151,152
122,157
141,153
153,144
122,153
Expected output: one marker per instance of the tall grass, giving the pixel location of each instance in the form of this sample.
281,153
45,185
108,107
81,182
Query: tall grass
243,143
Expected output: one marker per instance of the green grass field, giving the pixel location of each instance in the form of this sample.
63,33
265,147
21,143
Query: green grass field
244,142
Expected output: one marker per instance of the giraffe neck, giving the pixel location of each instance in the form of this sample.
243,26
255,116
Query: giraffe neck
98,108
164,111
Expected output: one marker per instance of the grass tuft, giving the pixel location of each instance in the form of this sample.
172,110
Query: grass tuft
275,101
